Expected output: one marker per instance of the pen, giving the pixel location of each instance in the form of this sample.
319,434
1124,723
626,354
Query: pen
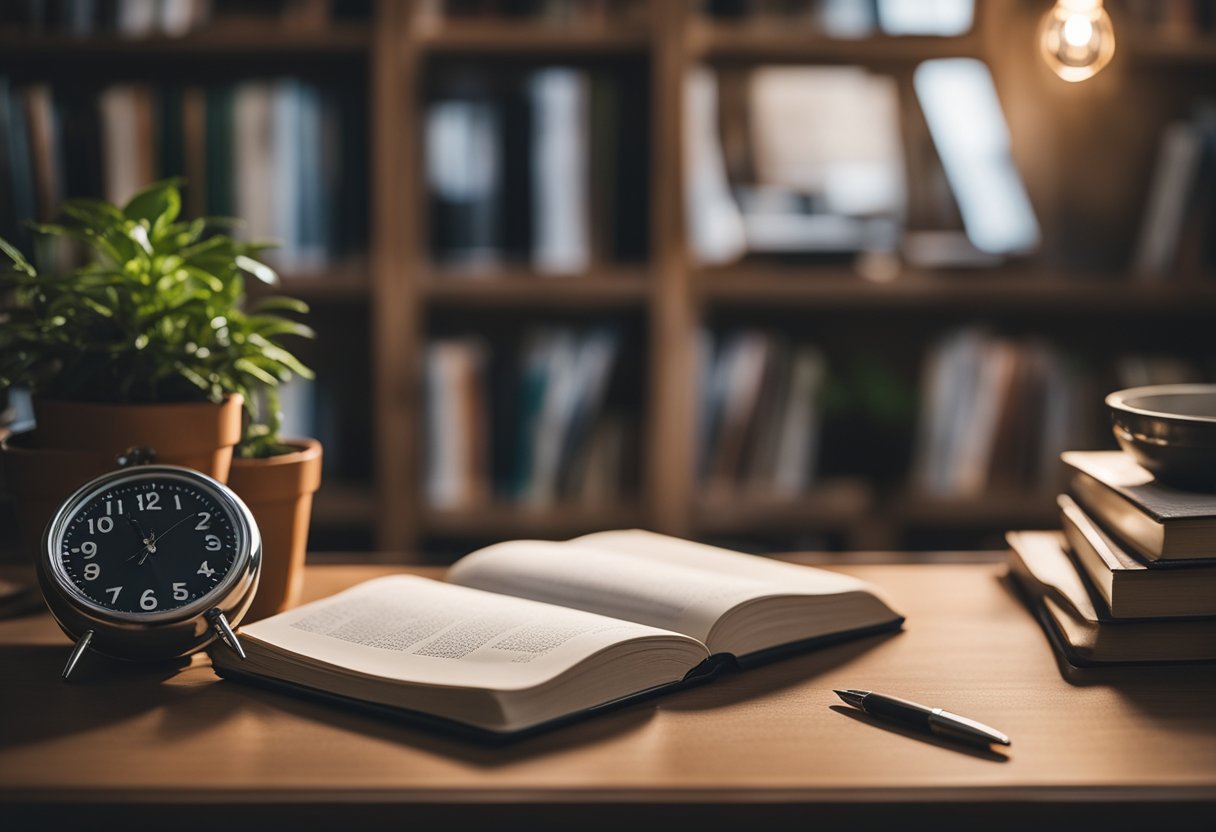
942,723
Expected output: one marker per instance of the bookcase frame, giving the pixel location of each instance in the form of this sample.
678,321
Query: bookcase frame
400,288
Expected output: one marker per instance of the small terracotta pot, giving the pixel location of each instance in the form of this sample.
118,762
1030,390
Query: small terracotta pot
278,490
76,442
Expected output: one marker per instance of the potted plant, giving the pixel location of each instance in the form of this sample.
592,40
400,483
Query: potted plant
145,345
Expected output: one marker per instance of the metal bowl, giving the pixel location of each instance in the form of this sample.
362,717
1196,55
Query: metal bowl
1170,429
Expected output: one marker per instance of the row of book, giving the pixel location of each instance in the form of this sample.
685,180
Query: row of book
546,168
286,156
851,18
1133,576
759,414
996,412
537,426
170,18
1178,231
588,13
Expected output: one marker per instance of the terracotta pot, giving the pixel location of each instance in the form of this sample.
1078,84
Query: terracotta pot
278,490
198,435
75,442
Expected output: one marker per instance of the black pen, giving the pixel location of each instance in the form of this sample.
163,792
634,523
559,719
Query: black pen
942,723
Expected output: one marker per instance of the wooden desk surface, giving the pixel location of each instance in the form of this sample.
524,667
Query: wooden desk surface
1134,745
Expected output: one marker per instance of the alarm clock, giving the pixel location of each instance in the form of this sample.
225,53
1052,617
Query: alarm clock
150,562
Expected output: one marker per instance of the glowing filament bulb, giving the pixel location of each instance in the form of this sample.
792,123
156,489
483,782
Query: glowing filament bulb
1077,38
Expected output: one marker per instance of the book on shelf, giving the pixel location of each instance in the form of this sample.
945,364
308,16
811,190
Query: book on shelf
1158,522
134,19
1129,587
995,412
1179,219
760,416
1077,621
526,635
457,463
287,156
530,168
535,428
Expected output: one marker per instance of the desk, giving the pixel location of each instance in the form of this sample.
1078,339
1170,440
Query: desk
1123,747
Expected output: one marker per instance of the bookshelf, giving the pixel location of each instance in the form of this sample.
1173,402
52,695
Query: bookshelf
380,307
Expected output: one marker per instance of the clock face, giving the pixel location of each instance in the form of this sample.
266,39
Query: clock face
149,545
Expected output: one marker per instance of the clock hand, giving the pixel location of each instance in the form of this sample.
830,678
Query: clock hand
165,533
138,528
153,540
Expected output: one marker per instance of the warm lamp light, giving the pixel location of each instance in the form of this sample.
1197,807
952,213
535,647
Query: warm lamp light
1077,38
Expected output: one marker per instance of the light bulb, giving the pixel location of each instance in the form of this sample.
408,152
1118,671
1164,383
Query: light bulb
1077,38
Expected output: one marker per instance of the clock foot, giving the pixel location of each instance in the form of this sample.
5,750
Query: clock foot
224,630
77,652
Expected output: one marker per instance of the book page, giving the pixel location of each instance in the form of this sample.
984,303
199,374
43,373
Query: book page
428,632
639,576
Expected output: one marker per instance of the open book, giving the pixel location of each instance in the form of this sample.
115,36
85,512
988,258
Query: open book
526,634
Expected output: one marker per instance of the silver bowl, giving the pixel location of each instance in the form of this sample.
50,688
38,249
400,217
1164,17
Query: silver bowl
1170,429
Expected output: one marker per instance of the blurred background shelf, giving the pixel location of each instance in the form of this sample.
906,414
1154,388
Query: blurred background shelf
503,522
246,40
1087,154
836,506
532,40
718,41
600,288
1024,288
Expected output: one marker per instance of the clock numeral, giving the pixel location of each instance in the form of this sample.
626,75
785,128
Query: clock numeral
104,525
204,569
179,592
89,548
177,502
212,543
91,571
148,502
110,507
147,601
113,590
205,523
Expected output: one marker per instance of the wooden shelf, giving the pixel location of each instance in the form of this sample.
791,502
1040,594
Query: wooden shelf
342,282
795,44
1008,510
601,288
516,521
506,38
830,506
253,39
1004,289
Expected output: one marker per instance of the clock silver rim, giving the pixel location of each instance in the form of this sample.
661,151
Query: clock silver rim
248,542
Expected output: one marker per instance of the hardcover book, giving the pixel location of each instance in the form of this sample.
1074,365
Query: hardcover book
1130,588
1161,522
525,635
1078,625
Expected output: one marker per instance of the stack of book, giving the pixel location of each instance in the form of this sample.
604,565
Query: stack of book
1133,576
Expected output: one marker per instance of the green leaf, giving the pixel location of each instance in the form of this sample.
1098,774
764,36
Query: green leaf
95,213
258,269
248,367
278,303
19,261
157,205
